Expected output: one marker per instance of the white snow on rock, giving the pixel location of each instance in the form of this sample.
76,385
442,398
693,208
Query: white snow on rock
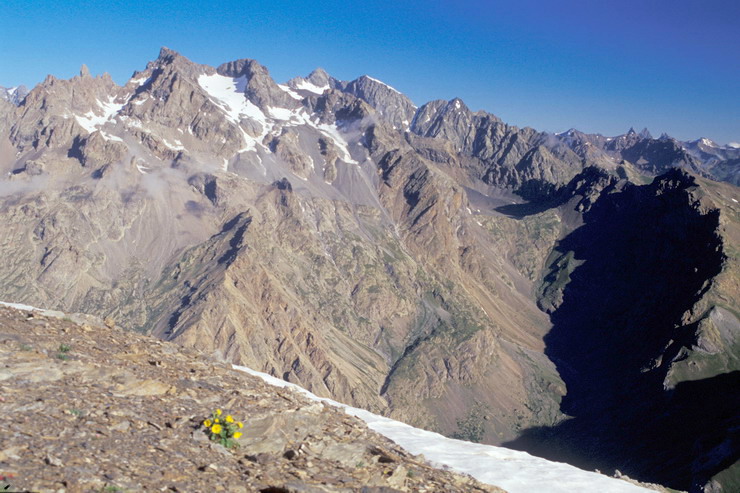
140,81
29,308
280,113
90,121
734,145
228,93
290,92
333,132
384,84
177,146
514,471
307,86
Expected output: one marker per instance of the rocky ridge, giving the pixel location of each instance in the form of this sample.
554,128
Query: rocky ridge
88,407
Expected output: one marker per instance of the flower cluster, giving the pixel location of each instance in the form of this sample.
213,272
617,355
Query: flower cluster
223,430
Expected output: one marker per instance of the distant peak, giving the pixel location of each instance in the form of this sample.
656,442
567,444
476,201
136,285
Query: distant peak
84,71
664,136
319,77
457,103
166,53
645,134
631,131
168,56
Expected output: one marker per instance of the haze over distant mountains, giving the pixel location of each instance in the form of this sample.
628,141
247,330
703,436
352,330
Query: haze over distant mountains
570,294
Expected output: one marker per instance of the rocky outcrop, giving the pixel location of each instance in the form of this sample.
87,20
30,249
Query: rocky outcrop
95,150
127,413
260,88
391,105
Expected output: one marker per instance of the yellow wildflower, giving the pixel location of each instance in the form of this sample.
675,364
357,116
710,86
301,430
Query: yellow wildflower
207,423
216,429
239,424
229,419
237,434
218,411
216,420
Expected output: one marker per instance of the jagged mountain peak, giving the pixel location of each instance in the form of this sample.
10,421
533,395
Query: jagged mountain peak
319,77
260,88
391,105
166,55
172,61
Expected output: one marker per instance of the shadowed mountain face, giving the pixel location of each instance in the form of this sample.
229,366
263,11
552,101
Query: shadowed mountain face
434,264
621,289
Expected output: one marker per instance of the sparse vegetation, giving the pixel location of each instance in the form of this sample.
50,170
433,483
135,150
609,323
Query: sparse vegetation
63,351
471,427
224,430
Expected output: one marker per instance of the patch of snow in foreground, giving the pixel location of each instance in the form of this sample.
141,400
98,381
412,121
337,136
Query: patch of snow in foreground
29,308
514,471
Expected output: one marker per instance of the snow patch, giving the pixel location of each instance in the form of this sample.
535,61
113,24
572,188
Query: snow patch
280,113
140,81
177,146
734,145
228,93
90,121
108,136
304,85
512,470
734,201
29,308
290,92
333,132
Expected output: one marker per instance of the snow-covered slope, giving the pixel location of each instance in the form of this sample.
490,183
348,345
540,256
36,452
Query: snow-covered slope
516,472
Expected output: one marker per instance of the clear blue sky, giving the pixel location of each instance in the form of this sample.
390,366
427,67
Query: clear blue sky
600,66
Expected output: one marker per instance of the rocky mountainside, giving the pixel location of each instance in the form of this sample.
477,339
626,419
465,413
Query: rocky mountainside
86,407
432,264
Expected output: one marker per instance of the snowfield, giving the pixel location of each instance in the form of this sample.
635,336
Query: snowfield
514,471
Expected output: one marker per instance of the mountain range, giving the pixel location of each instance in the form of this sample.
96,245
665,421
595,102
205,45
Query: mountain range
572,295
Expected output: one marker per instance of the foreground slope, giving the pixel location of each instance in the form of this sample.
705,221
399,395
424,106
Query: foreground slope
86,407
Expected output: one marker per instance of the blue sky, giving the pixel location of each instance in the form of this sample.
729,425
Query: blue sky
599,66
